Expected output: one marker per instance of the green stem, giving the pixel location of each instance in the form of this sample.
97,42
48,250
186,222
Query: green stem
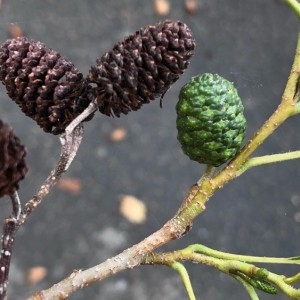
228,266
260,284
295,5
286,109
180,268
267,159
286,288
292,279
297,108
208,172
198,248
249,288
198,195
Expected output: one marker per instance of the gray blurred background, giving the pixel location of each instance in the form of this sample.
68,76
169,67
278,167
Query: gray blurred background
250,43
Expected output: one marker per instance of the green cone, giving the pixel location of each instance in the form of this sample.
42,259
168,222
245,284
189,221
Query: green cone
210,121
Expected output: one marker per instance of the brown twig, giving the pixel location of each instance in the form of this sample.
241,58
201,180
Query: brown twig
128,259
10,228
70,145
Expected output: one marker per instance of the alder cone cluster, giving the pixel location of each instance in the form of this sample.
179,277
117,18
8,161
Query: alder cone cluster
50,90
142,67
13,167
45,85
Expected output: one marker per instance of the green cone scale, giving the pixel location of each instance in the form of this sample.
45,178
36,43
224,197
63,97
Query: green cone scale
210,121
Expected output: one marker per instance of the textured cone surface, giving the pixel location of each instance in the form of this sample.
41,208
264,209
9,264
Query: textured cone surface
12,161
210,121
44,85
142,67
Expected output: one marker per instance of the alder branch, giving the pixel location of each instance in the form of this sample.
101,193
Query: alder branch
128,259
192,206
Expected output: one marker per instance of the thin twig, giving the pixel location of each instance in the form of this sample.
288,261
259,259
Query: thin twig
10,228
128,259
70,146
180,268
249,288
16,205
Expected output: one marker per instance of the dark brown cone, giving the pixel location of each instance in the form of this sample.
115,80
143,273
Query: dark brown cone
142,67
12,161
45,85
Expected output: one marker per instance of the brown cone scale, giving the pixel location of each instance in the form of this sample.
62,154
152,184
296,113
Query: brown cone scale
13,167
45,85
142,67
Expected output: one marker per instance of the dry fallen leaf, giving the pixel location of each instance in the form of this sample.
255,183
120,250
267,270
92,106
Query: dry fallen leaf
297,216
162,7
191,6
71,185
118,135
15,30
36,274
133,209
